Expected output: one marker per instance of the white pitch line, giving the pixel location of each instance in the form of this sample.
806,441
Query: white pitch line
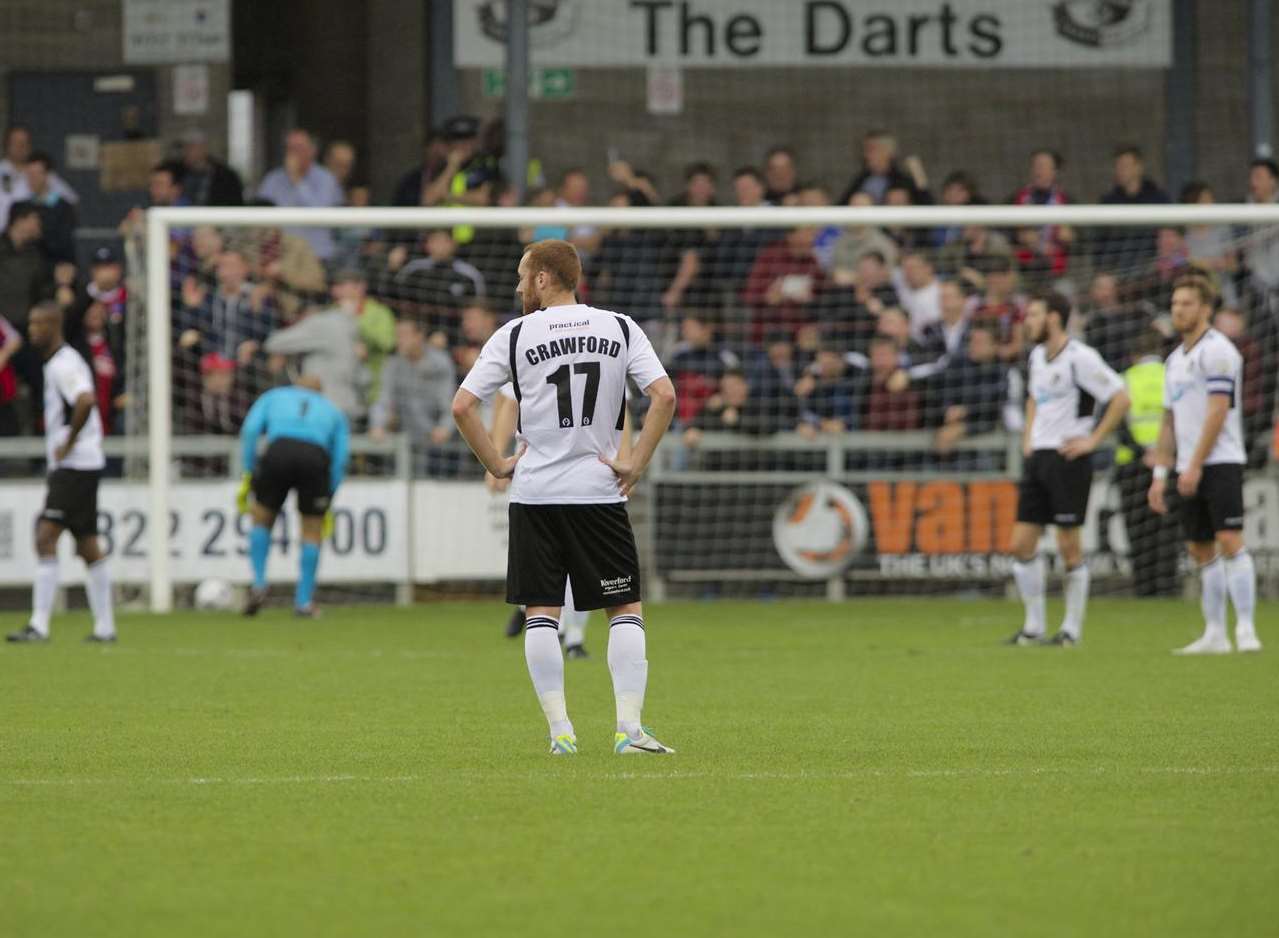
850,775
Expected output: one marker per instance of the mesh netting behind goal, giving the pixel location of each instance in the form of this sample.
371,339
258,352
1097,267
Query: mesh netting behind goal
850,397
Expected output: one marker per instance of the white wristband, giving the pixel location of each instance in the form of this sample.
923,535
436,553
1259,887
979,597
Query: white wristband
1161,473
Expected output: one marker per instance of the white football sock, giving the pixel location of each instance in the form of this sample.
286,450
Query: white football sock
572,621
98,588
546,668
1241,583
43,591
1030,583
1077,581
1212,581
627,664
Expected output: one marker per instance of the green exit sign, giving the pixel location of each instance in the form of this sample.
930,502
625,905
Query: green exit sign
544,84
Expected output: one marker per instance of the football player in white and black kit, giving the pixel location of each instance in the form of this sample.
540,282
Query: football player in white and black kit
568,365
1068,380
572,620
1203,380
73,442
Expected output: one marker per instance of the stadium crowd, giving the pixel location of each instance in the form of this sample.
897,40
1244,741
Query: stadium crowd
811,330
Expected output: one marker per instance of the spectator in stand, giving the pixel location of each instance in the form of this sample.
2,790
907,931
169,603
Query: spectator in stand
495,252
1230,323
920,291
164,189
1039,265
812,195
1154,282
880,171
959,188
339,160
858,240
464,177
1212,247
973,391
947,338
25,279
220,406
105,289
375,324
733,254
696,365
626,273
733,408
849,309
774,374
1112,326
417,397
10,343
57,214
636,185
780,175
98,346
327,342
411,191
1126,247
286,265
970,255
827,395
890,403
686,269
906,239
1044,188
574,192
784,282
1261,245
205,180
479,322
1002,306
302,183
437,285
233,319
13,180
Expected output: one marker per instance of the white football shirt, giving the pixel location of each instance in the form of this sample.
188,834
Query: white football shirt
66,377
1211,366
1067,389
568,367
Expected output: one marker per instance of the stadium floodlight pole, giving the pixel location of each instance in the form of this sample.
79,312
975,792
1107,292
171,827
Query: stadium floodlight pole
517,75
159,402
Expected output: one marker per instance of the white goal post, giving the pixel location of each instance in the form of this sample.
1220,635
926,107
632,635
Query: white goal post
161,221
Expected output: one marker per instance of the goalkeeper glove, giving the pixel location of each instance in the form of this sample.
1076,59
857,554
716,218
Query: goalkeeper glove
327,531
242,493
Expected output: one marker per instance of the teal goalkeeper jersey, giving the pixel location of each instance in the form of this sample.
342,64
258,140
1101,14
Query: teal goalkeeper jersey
298,414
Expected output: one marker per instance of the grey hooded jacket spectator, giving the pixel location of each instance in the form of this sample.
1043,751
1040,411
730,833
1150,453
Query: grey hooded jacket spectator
418,394
326,341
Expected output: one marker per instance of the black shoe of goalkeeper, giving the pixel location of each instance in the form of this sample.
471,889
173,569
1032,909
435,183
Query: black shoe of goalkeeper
1024,638
26,634
576,651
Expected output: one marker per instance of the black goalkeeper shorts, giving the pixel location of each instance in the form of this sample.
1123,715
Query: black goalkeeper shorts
293,464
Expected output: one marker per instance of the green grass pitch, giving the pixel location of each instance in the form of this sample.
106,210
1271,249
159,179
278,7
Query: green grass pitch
875,767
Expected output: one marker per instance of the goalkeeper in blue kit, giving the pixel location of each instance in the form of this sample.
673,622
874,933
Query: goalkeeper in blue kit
308,442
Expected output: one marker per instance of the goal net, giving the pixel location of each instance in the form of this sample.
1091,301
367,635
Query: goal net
851,382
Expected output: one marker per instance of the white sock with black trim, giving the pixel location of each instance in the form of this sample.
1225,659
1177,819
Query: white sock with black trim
1212,581
1241,584
1030,583
546,668
1076,589
97,587
629,667
44,589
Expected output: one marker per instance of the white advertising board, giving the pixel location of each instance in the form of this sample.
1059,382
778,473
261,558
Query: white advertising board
747,33
370,541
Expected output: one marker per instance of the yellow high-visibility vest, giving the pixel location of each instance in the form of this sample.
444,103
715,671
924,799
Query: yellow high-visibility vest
1145,381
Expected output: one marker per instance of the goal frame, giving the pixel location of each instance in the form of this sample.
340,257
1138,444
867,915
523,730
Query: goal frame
161,221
